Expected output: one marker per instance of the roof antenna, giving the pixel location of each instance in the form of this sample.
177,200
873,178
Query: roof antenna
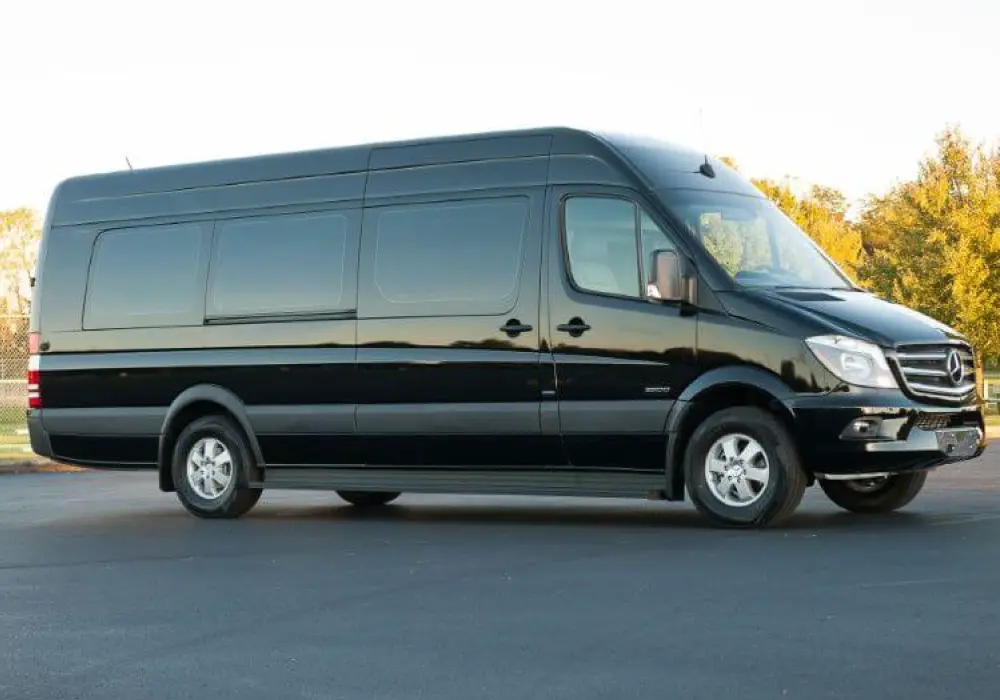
705,168
129,164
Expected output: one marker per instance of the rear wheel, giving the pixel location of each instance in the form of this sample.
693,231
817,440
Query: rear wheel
368,499
875,495
210,462
742,469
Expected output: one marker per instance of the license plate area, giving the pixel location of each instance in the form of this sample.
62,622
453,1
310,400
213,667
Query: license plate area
958,442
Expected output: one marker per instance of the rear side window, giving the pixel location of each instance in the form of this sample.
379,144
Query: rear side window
460,257
274,265
147,276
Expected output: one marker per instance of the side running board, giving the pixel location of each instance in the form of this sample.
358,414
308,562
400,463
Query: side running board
609,484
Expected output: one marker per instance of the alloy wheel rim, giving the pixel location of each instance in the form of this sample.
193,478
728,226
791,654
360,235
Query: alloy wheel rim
737,470
209,468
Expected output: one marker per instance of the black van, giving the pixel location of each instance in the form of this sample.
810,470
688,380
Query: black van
537,312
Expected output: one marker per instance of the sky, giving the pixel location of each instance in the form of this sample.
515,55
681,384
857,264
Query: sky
848,94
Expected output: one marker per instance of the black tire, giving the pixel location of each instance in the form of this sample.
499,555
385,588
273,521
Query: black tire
235,498
771,502
368,499
892,493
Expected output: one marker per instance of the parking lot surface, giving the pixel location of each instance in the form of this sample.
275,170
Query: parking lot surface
109,589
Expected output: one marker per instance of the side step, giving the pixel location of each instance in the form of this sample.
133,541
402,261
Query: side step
608,484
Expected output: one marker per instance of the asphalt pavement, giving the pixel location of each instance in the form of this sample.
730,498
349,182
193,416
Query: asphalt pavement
109,589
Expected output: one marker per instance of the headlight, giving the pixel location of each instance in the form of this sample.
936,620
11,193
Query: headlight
854,361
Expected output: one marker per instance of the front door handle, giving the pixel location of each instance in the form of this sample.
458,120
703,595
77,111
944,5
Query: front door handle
576,327
514,328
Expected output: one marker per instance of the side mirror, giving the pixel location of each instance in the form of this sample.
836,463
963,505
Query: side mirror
667,280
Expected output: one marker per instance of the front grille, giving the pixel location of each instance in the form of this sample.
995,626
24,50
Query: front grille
931,371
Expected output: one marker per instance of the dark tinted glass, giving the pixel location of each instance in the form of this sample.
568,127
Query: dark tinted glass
653,239
756,243
601,240
278,264
466,252
150,276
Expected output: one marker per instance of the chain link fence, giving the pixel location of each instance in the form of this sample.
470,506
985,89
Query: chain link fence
13,386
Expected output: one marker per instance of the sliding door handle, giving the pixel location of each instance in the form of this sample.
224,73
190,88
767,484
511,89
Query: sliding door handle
514,328
576,327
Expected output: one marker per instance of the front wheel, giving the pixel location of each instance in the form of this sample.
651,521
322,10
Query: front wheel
875,495
742,469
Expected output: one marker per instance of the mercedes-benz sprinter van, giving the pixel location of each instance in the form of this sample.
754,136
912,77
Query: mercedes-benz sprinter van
536,312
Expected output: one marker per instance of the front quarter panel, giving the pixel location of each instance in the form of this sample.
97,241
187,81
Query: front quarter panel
733,342
734,355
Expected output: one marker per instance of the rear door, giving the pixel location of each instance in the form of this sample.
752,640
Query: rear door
620,359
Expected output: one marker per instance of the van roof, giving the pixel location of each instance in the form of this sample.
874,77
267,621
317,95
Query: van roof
358,158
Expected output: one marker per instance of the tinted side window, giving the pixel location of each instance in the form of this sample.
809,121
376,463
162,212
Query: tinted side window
148,276
288,264
653,239
451,257
601,244
610,244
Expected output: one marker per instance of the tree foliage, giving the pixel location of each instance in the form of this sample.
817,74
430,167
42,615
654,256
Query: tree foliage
20,234
934,241
931,243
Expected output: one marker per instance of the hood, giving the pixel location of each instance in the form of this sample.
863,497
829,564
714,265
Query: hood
858,313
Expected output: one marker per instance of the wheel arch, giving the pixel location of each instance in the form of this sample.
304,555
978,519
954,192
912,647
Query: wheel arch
713,391
191,404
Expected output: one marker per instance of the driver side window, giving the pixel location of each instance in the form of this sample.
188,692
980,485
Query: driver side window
610,243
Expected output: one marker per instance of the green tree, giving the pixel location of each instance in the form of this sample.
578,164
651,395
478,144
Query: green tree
19,238
830,200
934,241
20,235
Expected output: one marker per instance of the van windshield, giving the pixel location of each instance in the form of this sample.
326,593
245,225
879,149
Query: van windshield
754,241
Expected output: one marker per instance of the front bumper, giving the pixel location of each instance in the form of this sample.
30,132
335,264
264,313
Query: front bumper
884,432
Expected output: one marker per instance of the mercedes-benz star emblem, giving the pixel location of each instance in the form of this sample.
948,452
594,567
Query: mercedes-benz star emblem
956,370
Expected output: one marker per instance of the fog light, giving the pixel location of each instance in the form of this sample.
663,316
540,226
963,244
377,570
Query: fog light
862,429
